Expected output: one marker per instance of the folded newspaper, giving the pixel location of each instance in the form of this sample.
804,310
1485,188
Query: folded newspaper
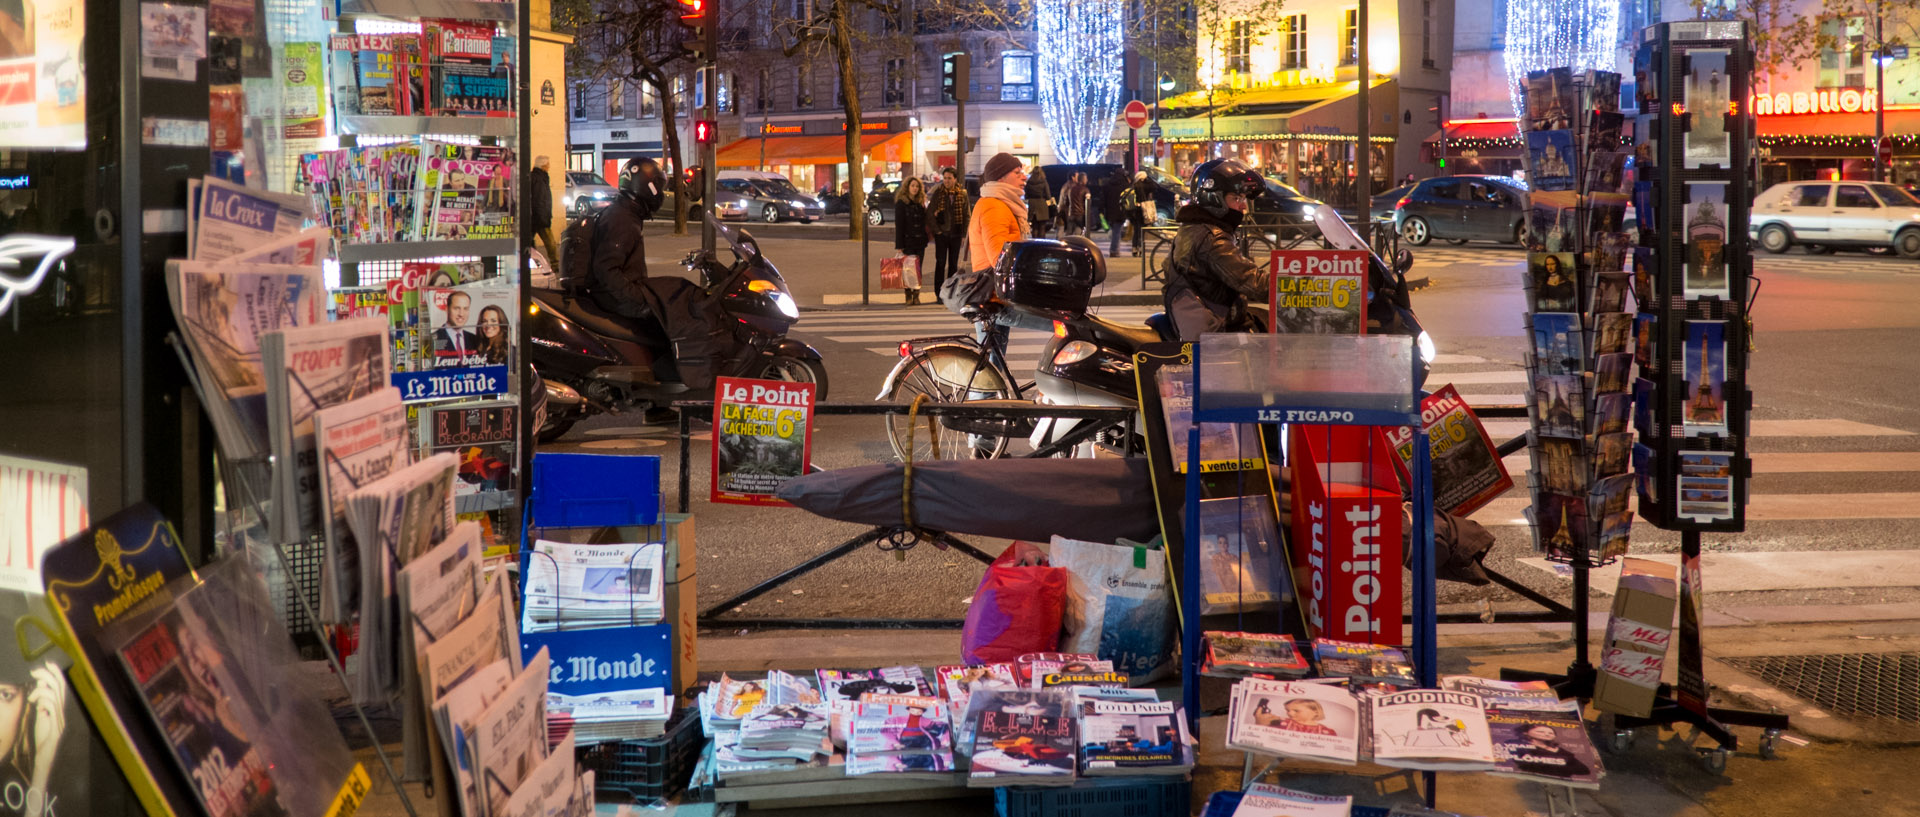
634,714
573,586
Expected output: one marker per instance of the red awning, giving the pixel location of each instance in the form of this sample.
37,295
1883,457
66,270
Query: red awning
813,150
1477,130
1899,120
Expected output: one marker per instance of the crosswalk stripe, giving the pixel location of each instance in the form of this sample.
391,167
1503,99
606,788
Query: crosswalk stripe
1780,570
1510,509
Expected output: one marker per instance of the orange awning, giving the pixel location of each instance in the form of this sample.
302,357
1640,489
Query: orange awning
814,150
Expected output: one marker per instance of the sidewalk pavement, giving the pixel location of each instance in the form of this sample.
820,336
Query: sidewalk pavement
1826,765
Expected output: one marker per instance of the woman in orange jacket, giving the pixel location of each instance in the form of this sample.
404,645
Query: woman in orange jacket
1001,214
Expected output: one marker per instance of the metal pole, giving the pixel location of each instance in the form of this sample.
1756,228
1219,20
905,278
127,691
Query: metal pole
710,173
1363,152
1880,92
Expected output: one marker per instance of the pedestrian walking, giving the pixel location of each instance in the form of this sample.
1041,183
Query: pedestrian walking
1073,204
1000,218
948,213
541,225
910,230
1110,194
1142,208
1039,203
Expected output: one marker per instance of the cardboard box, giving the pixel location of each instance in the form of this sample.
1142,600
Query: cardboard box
1649,592
1630,634
1346,530
1624,696
681,603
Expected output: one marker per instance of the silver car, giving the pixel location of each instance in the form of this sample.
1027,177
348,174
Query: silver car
1823,216
587,192
767,204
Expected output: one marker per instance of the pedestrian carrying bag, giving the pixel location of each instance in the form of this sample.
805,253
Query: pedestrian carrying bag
890,272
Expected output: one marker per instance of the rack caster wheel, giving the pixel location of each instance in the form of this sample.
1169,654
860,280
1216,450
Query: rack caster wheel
1715,759
1620,741
1770,744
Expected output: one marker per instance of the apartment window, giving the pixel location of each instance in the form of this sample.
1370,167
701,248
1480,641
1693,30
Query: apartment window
725,100
680,97
1295,53
1350,37
895,90
1016,76
616,99
1426,33
803,10
803,86
1239,44
1844,63
762,93
580,101
649,102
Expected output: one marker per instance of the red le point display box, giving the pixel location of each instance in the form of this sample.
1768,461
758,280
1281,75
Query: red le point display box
1346,532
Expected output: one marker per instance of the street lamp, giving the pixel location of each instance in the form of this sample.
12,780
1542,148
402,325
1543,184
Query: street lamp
1166,82
1165,86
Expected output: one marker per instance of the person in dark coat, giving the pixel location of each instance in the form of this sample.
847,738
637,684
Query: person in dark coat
1145,210
1073,204
1039,203
1110,188
910,231
949,211
541,223
617,278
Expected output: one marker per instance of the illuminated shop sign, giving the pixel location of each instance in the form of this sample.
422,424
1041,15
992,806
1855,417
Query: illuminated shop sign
1838,100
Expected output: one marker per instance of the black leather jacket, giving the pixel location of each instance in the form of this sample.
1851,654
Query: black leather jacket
619,270
1206,263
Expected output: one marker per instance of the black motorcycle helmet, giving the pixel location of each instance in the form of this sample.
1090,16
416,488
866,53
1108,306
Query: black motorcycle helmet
642,181
1213,180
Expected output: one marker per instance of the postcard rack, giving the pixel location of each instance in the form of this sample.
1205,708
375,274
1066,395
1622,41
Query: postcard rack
302,572
1324,380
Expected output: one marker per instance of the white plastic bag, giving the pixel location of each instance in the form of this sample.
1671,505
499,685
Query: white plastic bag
1119,605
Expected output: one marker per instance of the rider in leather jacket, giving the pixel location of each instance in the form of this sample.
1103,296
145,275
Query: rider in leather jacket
618,274
1209,280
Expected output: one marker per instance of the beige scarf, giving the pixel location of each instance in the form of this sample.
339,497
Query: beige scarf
1015,197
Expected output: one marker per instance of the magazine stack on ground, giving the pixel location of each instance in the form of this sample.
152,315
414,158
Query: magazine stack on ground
574,586
1580,322
1268,800
899,735
1241,655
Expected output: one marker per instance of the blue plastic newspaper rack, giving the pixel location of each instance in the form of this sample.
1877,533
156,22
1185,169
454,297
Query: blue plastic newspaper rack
594,490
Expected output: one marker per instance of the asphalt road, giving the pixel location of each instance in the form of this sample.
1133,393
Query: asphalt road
1833,363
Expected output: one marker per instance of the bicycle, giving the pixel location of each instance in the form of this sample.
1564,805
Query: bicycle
953,369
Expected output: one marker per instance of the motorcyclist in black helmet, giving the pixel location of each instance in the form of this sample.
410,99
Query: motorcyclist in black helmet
619,269
1209,280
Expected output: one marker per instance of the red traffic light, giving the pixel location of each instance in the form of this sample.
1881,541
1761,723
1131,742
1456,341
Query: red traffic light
693,9
704,131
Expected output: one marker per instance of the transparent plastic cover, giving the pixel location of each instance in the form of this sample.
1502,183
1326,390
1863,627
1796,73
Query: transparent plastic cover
1352,372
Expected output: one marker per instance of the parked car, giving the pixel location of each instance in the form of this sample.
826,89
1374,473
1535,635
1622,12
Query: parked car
769,204
1828,215
587,192
880,203
1462,209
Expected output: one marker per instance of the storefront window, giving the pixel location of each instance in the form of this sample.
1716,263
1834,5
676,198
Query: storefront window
1016,76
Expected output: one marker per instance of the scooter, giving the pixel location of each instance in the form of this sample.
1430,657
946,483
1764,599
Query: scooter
1087,360
592,360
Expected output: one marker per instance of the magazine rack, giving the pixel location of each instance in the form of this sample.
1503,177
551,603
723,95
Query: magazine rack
250,501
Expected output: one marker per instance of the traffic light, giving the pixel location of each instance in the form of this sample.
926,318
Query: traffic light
695,182
704,131
953,76
694,14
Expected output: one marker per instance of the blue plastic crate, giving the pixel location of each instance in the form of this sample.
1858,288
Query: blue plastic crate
1118,797
1222,804
594,490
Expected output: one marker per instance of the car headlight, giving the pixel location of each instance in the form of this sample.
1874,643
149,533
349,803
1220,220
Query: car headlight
785,304
797,204
600,194
1307,210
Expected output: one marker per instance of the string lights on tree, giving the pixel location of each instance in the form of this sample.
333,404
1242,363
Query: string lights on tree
1578,34
1080,48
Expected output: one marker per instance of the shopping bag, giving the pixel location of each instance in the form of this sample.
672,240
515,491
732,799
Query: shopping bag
890,272
910,271
1119,605
1016,609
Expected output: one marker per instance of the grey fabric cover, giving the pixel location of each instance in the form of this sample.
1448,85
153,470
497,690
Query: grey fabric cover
1101,500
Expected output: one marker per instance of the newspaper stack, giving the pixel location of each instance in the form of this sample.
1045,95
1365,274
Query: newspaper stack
899,734
1268,800
395,519
359,443
635,714
309,368
728,763
573,586
223,309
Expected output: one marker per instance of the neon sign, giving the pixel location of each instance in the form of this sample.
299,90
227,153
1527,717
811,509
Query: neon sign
1839,100
15,247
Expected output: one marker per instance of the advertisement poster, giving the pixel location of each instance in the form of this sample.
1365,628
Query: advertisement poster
41,504
304,90
173,40
42,76
1318,292
762,437
471,325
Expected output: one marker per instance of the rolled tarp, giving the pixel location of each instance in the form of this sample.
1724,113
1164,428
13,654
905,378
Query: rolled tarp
1096,500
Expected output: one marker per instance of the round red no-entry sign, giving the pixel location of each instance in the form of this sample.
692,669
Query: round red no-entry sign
1135,114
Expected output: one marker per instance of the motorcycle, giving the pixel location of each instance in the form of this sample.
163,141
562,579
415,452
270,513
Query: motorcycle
1087,360
592,360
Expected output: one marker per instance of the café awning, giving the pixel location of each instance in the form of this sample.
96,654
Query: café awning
1270,114
813,150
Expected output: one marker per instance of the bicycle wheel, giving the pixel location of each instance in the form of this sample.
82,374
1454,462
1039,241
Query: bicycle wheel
947,375
1158,258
